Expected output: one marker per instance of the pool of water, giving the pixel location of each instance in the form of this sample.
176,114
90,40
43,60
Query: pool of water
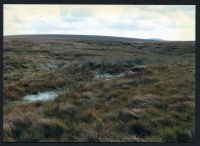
107,76
48,95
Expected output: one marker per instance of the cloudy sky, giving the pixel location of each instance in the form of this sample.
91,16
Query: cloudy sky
175,22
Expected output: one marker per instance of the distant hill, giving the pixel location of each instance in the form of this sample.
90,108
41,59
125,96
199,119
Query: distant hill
156,39
84,37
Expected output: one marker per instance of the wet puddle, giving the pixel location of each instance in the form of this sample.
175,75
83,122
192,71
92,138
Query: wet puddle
43,96
107,76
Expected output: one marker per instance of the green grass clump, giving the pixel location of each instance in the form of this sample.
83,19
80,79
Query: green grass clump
44,129
126,116
63,111
177,134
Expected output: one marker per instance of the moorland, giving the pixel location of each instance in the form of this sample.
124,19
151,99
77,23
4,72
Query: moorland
107,89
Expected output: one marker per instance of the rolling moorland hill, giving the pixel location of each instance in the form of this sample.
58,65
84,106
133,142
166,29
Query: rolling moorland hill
84,37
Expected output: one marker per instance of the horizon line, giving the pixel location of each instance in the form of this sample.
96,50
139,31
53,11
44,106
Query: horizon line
159,39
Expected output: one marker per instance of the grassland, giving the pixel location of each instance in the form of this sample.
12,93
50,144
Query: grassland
153,104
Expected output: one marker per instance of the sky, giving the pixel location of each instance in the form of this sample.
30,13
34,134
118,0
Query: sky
168,22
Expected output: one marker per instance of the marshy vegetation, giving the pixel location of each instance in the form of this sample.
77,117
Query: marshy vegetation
108,91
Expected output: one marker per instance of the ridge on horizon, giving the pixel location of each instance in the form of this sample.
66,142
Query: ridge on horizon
73,36
101,37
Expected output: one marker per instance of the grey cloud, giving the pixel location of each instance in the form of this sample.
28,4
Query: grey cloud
73,19
78,13
17,20
7,6
171,8
81,13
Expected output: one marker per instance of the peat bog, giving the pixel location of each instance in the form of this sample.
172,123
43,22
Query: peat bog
103,90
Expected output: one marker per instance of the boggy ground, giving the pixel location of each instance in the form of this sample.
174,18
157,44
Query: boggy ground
152,102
